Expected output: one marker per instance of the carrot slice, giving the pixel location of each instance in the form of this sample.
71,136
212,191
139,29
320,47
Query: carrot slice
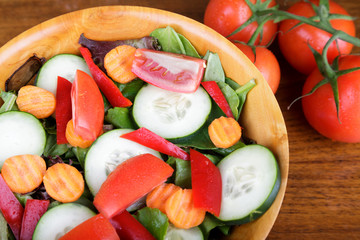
23,173
180,210
63,182
73,138
37,101
157,197
224,132
118,63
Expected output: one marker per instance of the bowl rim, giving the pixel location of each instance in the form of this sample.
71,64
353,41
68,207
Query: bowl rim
48,28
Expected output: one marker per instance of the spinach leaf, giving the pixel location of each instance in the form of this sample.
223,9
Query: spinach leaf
80,154
119,117
106,103
214,159
189,48
234,85
227,151
209,223
52,148
231,97
129,90
49,124
214,70
225,229
182,173
169,40
241,92
154,221
174,42
9,99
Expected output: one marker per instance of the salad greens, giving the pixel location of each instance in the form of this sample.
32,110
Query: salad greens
9,99
168,40
153,220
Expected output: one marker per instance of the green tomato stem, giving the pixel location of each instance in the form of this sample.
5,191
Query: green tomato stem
321,24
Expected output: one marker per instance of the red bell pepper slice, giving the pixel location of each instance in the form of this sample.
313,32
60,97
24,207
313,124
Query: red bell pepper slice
106,85
63,108
169,71
127,227
95,228
216,94
87,106
34,209
151,140
206,183
130,181
11,208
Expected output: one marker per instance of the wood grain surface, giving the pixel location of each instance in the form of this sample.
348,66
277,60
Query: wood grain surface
322,198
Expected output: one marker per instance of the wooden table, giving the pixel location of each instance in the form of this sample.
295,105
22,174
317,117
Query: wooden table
322,200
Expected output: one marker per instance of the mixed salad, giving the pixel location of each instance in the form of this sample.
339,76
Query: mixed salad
134,139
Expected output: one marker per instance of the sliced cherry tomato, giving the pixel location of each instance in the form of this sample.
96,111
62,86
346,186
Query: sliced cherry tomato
225,16
320,110
95,228
266,63
130,181
170,71
206,183
34,209
87,106
293,41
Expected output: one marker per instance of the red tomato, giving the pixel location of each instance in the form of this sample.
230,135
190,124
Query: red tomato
95,228
170,71
225,16
319,108
87,106
294,41
266,62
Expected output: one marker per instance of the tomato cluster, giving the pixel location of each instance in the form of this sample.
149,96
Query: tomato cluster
337,118
225,16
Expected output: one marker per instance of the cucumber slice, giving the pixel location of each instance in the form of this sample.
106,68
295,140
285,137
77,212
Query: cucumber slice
171,114
108,151
61,219
21,133
250,183
174,233
63,65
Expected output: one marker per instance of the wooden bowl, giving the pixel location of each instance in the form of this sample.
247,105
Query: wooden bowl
261,119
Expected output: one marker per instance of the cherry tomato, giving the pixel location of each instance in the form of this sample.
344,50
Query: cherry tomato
170,71
225,16
266,62
87,106
294,41
319,107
